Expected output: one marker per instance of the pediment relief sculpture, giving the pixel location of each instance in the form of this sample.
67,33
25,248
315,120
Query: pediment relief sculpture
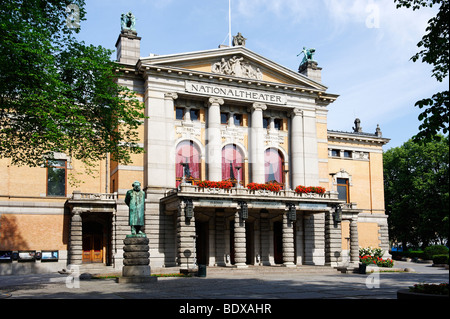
236,66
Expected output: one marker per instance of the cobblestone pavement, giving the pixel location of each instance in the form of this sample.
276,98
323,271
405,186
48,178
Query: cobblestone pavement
228,285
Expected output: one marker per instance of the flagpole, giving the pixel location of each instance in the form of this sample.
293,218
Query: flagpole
229,23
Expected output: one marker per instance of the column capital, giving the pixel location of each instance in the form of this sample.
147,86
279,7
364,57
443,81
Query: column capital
295,112
258,106
215,100
171,95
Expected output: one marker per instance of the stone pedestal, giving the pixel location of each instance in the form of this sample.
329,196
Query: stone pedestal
136,262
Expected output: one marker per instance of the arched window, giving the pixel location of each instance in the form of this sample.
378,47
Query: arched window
273,165
187,153
232,159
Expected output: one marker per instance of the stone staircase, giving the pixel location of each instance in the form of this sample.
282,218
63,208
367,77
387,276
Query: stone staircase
261,270
95,269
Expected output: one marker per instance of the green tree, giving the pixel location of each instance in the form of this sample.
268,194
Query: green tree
58,94
434,49
416,178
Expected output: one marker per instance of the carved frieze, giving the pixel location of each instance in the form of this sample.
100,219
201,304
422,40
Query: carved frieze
236,66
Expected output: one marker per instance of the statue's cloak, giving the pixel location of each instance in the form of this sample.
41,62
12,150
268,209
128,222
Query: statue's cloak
135,200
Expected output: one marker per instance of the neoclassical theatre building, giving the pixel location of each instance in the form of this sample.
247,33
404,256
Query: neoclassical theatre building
240,168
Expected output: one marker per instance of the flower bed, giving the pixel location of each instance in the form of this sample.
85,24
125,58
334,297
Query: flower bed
310,189
210,184
269,187
372,256
373,260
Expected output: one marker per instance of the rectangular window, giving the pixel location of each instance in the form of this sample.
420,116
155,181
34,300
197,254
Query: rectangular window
343,189
237,119
347,154
179,113
224,118
265,122
56,177
335,153
278,124
195,115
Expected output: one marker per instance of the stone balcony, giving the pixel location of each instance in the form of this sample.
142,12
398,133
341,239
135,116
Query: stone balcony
219,197
93,202
77,195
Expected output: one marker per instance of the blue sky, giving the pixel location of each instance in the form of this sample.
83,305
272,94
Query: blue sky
363,46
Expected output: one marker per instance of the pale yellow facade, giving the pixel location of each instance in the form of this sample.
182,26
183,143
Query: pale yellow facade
352,161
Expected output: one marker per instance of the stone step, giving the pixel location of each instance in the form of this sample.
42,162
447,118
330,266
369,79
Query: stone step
97,269
263,270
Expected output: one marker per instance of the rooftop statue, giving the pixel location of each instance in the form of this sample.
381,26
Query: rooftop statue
128,22
239,40
308,54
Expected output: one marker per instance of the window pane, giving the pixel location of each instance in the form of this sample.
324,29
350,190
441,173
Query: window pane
56,178
278,124
342,192
273,166
237,119
179,113
224,118
194,115
265,122
231,159
187,152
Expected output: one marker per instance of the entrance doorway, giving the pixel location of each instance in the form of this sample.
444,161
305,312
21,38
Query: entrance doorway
201,243
92,242
278,242
96,244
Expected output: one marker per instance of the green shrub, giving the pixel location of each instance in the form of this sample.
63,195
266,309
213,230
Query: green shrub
415,254
434,289
430,251
440,259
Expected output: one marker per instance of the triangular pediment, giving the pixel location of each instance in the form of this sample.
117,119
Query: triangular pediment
237,62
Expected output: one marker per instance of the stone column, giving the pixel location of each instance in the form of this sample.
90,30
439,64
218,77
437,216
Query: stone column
169,106
266,243
354,241
314,224
214,145
240,253
288,241
185,238
299,237
333,241
383,231
220,240
76,239
257,143
297,155
159,158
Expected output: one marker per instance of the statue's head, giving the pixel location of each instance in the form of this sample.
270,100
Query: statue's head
137,186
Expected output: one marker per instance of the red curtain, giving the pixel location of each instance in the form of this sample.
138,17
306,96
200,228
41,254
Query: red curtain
187,152
232,157
273,165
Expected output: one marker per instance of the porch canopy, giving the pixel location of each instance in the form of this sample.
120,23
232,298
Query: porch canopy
315,216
